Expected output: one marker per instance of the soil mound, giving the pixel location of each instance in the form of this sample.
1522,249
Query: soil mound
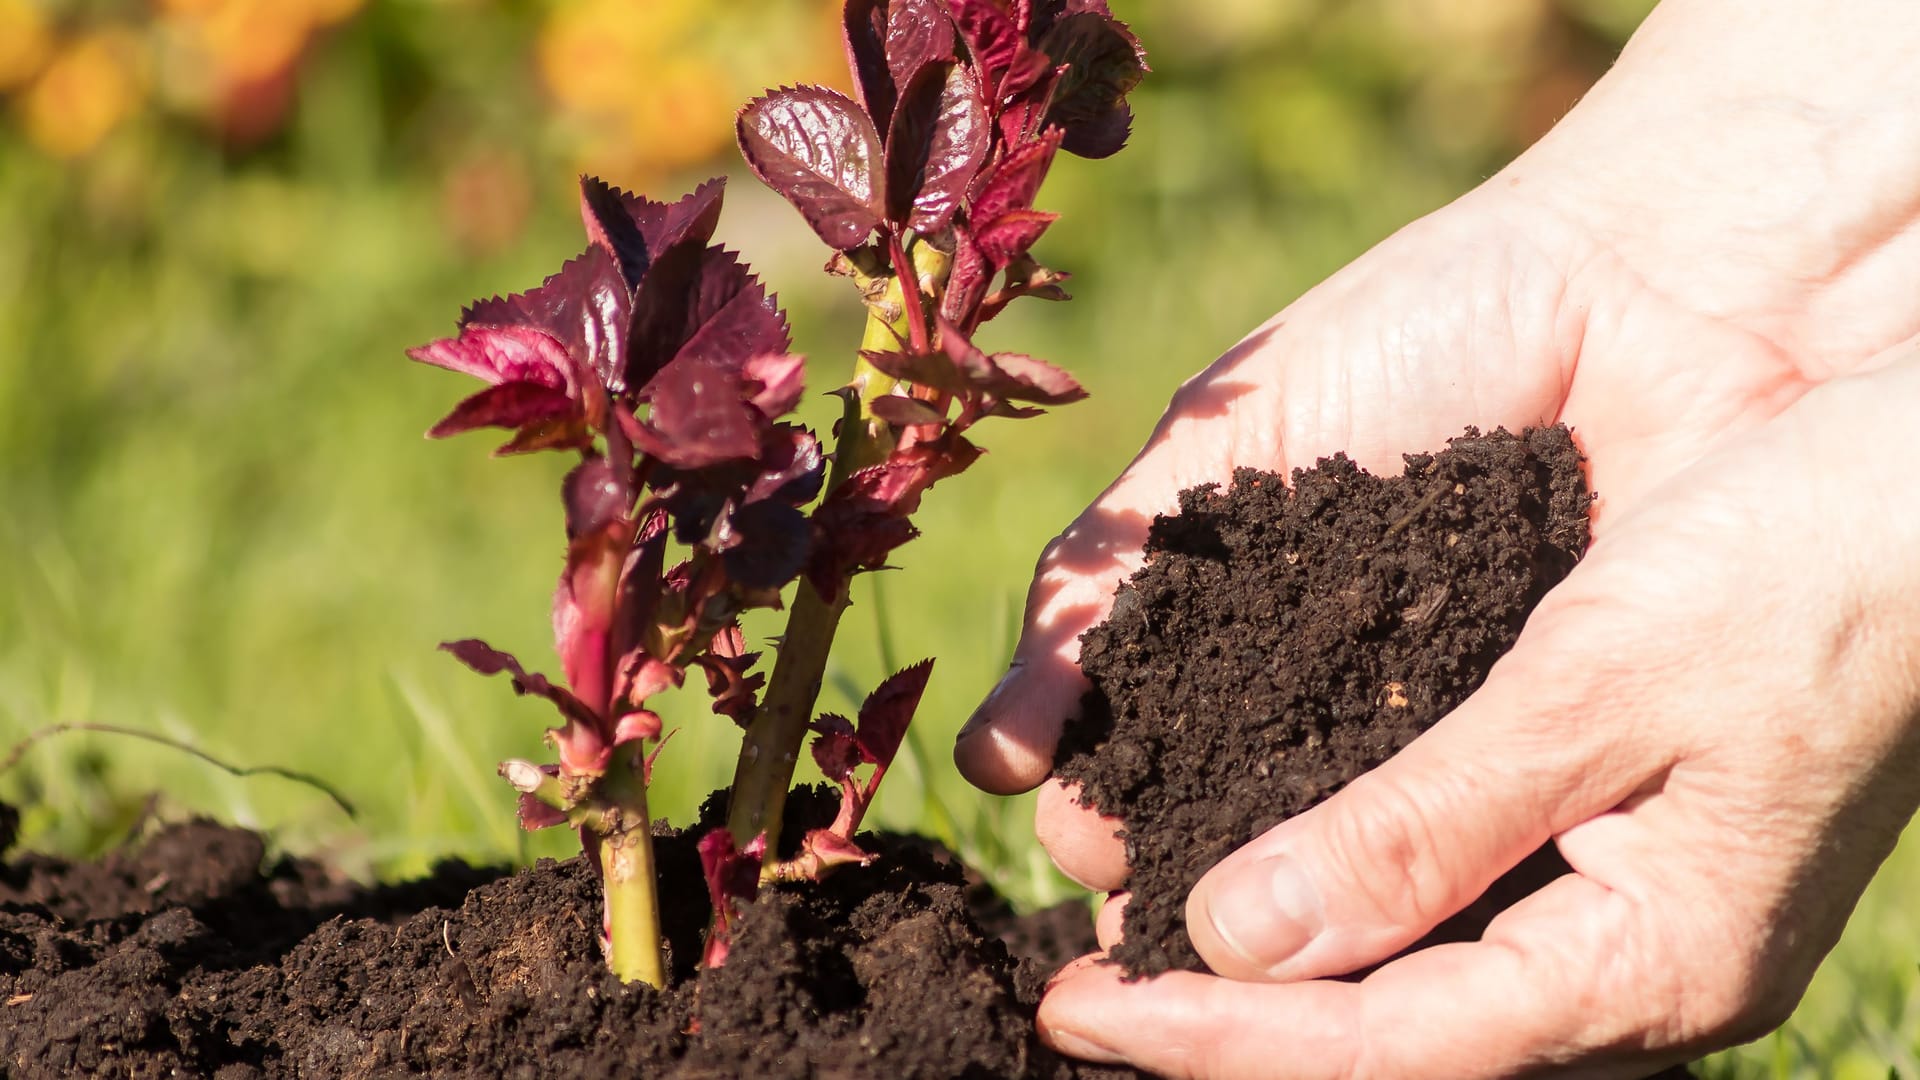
182,957
1284,638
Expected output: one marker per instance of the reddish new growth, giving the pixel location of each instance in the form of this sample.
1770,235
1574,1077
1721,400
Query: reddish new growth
661,362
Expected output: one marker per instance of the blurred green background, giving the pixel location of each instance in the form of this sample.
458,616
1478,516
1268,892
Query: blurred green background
221,222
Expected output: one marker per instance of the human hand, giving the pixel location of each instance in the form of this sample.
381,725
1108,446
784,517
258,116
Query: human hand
1713,717
1555,292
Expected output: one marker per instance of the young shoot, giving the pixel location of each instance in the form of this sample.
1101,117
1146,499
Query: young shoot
659,361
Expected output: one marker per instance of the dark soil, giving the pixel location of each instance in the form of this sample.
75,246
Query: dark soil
1283,639
183,958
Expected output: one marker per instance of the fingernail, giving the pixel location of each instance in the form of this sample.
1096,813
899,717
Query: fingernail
1076,1045
984,714
1267,912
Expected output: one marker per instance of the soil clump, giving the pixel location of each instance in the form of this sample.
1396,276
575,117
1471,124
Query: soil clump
1285,637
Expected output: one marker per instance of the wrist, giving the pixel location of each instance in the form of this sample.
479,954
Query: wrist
1757,160
1752,103
1855,435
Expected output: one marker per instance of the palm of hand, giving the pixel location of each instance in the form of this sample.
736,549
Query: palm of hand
1485,314
1496,313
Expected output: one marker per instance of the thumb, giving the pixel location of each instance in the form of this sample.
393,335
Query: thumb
1373,869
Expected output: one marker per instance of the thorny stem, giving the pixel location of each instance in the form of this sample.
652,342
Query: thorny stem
621,827
627,878
773,740
862,440
903,271
779,727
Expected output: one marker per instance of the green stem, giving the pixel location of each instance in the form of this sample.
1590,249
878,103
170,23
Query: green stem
779,729
528,779
863,440
627,878
773,740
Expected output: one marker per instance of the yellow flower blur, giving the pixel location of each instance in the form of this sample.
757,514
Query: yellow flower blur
654,83
85,91
247,41
638,87
24,43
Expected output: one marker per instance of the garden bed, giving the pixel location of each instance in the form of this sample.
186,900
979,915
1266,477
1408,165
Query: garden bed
180,956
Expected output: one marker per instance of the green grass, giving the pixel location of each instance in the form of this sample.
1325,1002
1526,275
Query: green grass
221,523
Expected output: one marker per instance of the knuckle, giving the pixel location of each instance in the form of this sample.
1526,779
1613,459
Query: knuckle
1384,851
1575,645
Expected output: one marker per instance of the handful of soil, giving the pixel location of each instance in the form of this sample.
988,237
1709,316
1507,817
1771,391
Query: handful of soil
1283,639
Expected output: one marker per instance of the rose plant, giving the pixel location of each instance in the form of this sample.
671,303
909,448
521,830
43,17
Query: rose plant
661,362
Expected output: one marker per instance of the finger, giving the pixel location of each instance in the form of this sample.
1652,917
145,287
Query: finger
1373,869
1072,968
1214,424
1106,925
1524,997
1081,842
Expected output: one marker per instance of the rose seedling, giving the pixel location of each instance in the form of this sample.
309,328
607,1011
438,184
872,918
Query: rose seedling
659,361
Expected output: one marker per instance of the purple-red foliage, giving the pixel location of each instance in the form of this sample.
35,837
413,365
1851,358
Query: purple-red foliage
863,520
885,714
944,89
975,98
936,144
733,878
820,150
661,361
841,746
727,664
583,725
